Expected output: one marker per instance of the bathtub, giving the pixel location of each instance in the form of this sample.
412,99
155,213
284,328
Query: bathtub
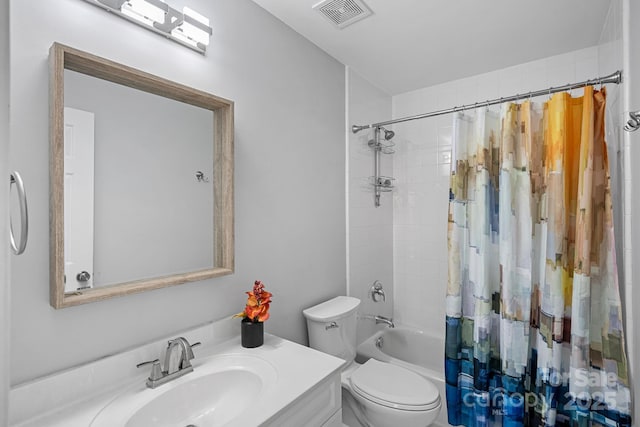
411,349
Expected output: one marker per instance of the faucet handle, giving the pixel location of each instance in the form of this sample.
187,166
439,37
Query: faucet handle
189,355
376,291
156,369
195,344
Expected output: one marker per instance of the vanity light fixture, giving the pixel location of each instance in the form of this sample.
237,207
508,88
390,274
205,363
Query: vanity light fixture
192,29
188,27
142,11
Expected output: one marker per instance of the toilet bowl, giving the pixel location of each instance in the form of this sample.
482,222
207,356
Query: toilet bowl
391,396
384,395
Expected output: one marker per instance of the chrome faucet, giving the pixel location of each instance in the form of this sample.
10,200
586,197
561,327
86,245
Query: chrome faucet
385,320
175,364
182,360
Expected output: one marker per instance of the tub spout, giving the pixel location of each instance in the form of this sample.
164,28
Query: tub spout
379,342
386,320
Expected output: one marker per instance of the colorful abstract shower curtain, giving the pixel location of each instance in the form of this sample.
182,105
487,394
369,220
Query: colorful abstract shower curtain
534,331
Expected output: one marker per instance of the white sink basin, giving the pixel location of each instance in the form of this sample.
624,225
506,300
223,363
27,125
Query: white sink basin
218,390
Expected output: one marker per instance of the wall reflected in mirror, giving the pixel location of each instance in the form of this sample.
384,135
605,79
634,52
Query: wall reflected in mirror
147,214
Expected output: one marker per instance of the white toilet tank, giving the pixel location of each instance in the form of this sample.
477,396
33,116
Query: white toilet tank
332,326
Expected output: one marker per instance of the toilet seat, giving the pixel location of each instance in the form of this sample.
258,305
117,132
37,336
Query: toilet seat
394,387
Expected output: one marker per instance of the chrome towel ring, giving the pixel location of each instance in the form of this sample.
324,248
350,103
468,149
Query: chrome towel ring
24,215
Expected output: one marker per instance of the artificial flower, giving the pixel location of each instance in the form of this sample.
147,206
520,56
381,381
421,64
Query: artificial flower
258,302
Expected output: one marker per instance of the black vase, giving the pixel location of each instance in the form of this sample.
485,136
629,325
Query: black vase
251,333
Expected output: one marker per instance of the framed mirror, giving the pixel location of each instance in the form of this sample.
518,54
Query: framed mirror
141,176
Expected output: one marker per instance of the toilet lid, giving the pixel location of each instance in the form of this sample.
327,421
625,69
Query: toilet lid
394,386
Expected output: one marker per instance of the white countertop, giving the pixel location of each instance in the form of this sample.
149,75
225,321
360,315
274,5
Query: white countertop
298,368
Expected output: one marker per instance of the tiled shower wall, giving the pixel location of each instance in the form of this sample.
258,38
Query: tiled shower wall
421,167
369,228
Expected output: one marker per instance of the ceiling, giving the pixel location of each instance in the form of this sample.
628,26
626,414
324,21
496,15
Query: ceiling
410,44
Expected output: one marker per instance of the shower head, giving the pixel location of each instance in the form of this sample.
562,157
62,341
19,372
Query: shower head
388,134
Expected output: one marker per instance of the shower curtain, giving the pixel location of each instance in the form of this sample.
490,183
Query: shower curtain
534,331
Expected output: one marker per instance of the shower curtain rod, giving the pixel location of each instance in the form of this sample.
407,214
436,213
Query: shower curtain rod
612,78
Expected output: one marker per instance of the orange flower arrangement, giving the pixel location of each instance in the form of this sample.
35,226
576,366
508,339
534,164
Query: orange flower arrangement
257,308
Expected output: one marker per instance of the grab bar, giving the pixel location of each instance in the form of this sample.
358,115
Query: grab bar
15,178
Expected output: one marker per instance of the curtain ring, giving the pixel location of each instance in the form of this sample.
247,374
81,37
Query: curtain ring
573,87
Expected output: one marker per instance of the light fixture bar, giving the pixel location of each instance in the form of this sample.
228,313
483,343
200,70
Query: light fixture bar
188,28
194,30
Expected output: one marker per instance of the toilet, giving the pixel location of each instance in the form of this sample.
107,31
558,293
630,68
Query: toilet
385,395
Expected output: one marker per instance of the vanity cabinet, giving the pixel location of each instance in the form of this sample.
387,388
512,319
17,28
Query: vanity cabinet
319,407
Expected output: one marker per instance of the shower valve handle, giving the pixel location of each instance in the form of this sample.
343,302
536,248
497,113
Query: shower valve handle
377,292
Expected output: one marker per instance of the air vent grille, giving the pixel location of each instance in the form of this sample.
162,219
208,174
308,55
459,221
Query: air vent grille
343,12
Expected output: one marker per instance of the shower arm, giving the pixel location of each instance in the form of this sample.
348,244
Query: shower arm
611,78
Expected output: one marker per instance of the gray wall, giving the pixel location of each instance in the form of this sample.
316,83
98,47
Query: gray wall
289,152
4,220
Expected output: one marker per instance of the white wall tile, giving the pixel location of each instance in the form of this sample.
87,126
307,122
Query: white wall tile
408,104
370,244
561,69
511,81
488,87
586,68
429,100
466,91
535,76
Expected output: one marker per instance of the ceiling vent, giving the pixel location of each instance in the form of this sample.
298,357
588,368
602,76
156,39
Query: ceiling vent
343,12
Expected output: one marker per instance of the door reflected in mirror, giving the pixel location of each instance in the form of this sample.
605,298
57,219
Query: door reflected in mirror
141,175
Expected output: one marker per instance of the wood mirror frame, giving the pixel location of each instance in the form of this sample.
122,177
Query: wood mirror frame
62,57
